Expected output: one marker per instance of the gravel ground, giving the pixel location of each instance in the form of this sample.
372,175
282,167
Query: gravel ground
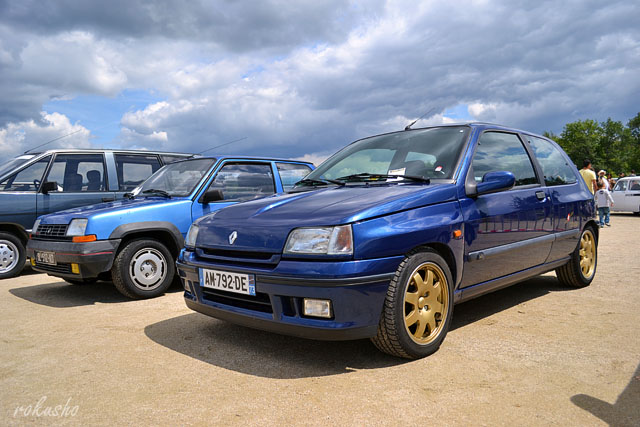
532,354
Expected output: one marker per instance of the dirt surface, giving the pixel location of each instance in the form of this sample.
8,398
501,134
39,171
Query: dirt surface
532,354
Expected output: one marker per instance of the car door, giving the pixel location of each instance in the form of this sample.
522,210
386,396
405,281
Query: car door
567,194
81,180
238,181
18,194
511,230
618,195
632,196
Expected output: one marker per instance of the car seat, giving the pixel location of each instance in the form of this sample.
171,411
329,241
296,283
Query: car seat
95,183
72,182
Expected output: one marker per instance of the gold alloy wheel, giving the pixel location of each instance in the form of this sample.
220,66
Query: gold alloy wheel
587,254
426,303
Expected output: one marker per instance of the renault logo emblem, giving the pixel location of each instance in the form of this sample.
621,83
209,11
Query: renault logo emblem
232,237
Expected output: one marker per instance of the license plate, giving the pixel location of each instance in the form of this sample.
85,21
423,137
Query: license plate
228,281
46,258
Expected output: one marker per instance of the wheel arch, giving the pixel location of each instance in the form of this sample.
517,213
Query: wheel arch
15,229
444,251
163,231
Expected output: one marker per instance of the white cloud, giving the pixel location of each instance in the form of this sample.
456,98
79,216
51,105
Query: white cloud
17,138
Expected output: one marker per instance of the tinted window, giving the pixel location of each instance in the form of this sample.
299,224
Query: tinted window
134,168
78,172
556,169
240,182
291,173
28,179
176,179
503,152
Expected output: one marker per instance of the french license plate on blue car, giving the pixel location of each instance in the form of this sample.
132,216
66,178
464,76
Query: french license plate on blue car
228,281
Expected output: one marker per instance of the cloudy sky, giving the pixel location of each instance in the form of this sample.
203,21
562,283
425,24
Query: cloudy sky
300,79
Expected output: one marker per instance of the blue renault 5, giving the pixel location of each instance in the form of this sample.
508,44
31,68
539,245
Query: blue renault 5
135,242
383,238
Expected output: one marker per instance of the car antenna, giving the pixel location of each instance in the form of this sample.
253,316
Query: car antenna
54,139
222,145
408,127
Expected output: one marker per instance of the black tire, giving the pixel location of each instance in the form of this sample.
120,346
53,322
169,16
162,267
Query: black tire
581,269
12,255
398,334
80,282
144,268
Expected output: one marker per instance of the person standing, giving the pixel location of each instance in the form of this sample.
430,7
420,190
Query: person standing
604,201
589,176
602,176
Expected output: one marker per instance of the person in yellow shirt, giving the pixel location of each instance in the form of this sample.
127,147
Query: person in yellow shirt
589,176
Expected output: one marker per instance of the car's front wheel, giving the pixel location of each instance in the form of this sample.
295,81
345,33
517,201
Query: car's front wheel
12,255
418,308
581,269
144,268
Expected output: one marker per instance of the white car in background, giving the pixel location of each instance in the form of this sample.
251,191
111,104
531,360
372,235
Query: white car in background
626,195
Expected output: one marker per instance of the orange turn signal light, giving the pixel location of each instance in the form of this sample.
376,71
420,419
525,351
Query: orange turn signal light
80,239
457,234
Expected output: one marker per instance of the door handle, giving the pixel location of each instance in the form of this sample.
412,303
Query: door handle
108,199
540,195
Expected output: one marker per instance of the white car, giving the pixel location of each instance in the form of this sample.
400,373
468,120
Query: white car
626,195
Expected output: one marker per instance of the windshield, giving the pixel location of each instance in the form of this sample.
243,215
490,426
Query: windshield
15,163
425,153
176,179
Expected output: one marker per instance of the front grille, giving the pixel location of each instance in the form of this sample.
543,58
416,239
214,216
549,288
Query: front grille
235,257
51,231
259,302
58,268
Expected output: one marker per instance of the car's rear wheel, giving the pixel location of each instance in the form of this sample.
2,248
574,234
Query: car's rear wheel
418,308
144,268
12,255
581,269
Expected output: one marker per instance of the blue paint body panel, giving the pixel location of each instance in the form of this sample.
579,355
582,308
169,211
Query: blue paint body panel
488,241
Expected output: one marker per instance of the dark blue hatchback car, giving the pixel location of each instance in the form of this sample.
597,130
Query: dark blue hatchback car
383,238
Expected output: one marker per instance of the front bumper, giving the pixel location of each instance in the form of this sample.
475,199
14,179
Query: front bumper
356,299
92,258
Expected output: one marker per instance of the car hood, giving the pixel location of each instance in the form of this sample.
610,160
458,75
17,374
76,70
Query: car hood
118,208
264,224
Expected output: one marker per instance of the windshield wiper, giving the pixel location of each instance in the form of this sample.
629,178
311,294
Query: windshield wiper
379,176
129,195
157,192
324,181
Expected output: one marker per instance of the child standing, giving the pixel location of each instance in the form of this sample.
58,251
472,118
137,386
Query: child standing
603,203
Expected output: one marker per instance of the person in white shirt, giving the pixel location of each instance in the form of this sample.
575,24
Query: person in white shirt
604,201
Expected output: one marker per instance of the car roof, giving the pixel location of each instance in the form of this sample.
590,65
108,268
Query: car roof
101,150
268,159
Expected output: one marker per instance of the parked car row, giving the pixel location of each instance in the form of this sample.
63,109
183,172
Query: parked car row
36,184
380,241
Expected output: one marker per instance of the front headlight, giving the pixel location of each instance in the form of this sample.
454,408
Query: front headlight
77,227
320,240
192,235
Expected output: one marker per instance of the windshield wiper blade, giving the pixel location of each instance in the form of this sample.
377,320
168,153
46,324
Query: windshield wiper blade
129,195
157,192
376,176
323,181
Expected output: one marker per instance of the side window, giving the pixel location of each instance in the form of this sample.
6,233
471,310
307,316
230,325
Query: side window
28,179
244,181
290,173
132,169
634,185
556,170
499,151
168,158
621,186
78,172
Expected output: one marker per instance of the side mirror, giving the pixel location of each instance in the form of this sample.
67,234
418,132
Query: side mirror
49,186
211,195
492,182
